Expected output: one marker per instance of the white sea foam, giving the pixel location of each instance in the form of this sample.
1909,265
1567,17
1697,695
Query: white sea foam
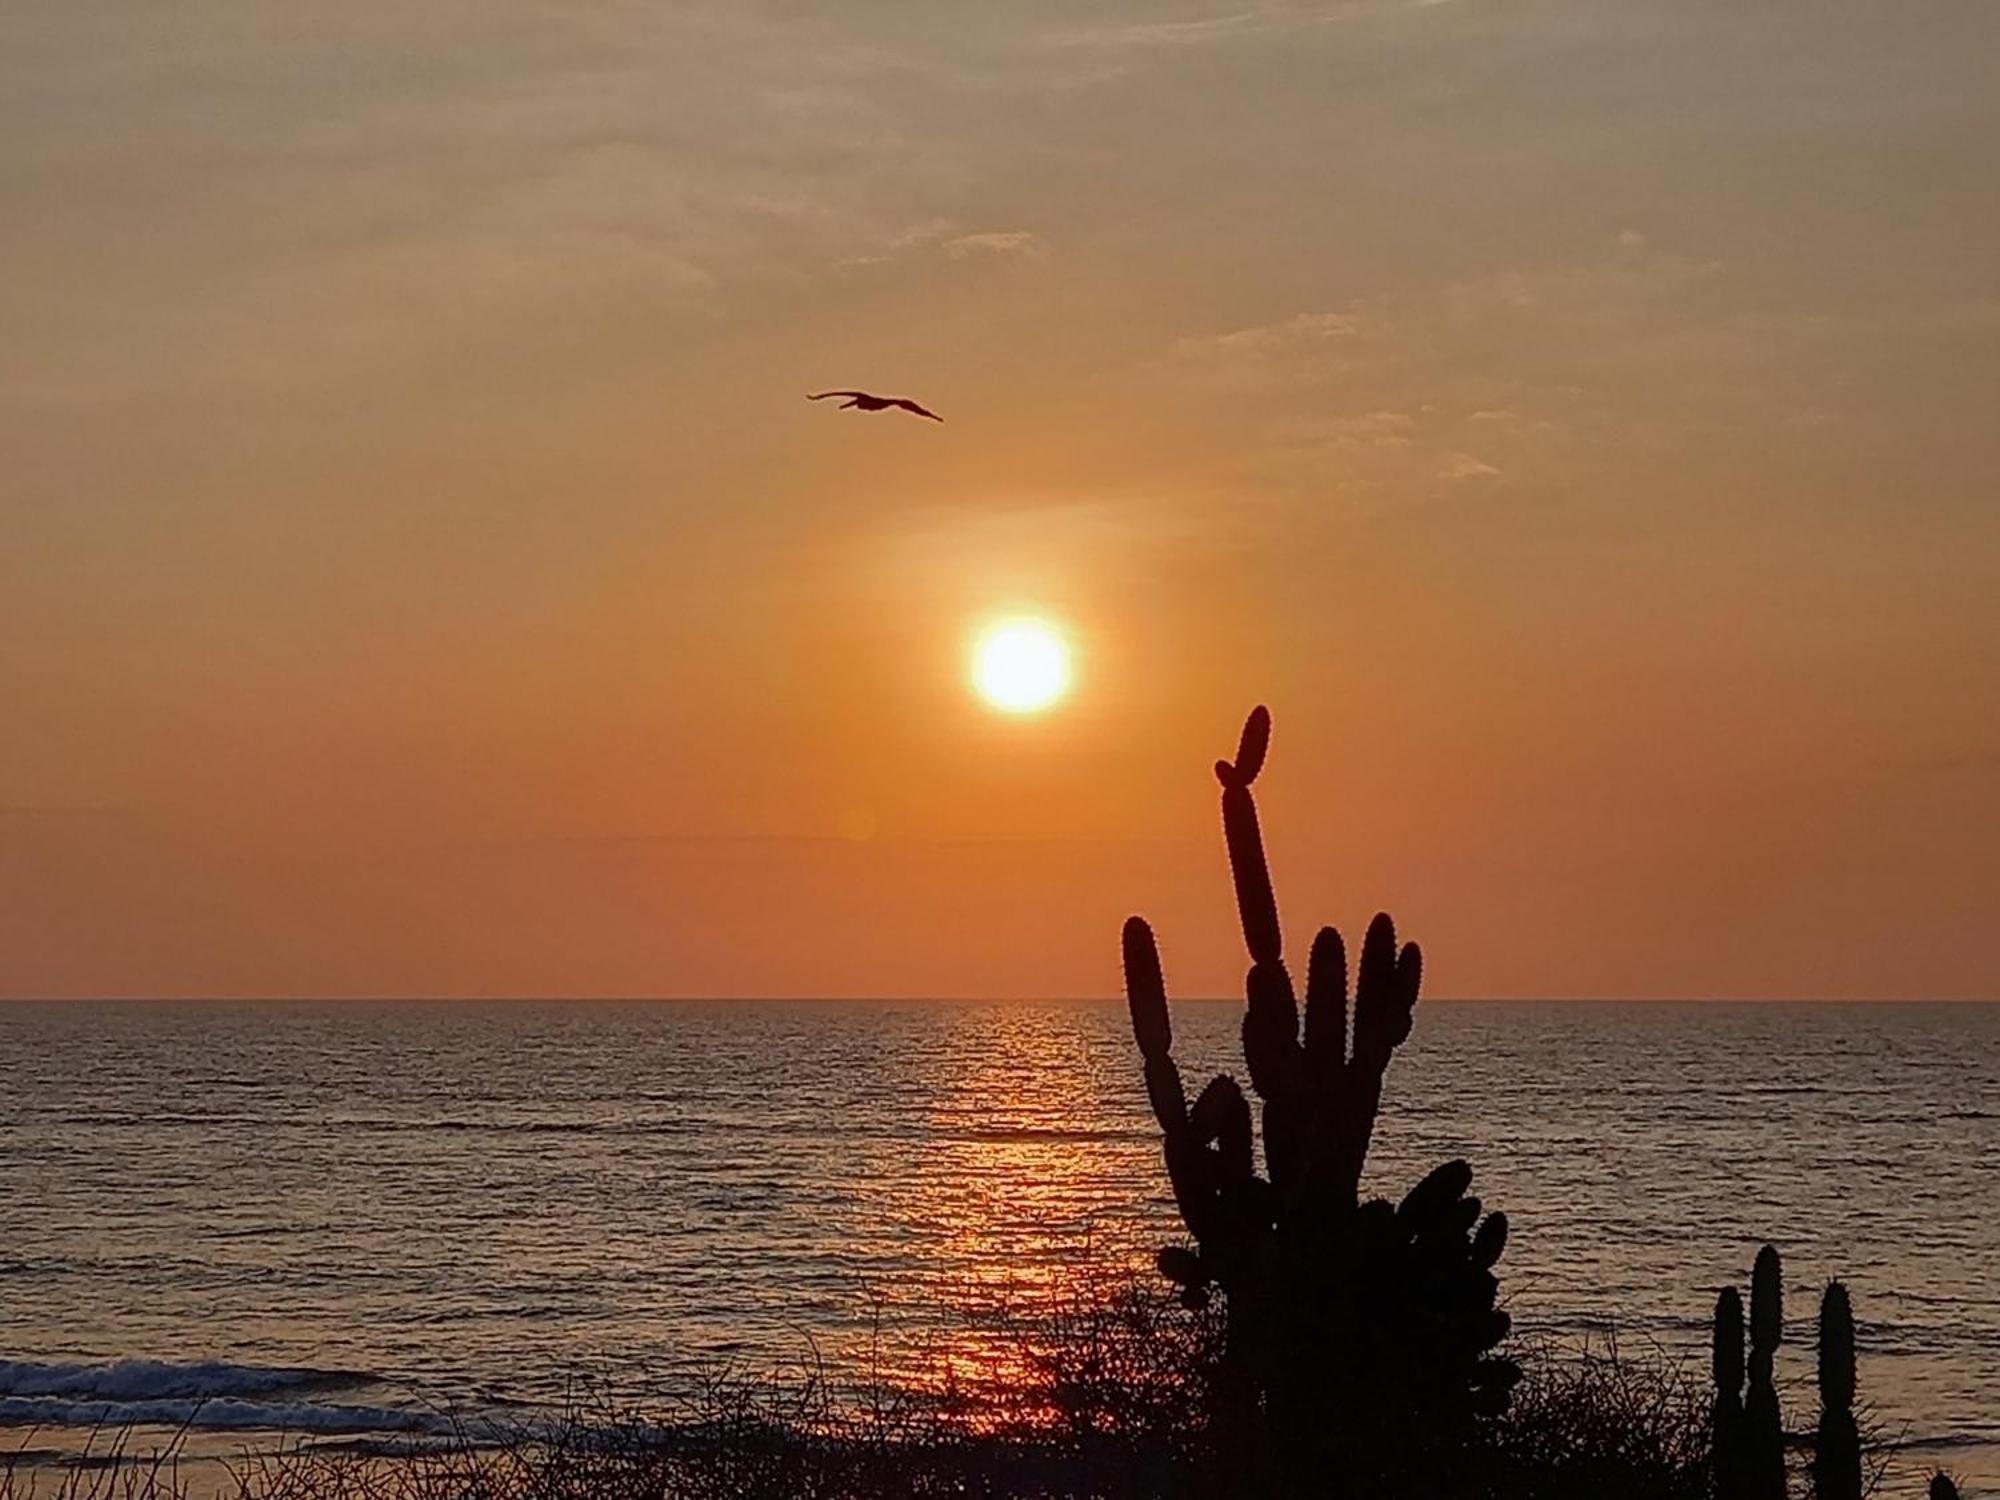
209,1394
215,1396
227,1413
138,1380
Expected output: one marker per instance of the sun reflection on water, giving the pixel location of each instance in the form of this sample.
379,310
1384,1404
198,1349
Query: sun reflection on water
1005,1208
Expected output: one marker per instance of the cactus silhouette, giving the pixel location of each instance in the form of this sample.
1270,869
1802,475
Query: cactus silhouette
1749,1434
1361,1329
1765,1429
1729,1418
1942,1488
1837,1450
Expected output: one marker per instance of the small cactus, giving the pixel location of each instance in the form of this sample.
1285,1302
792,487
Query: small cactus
1837,1450
1728,1364
1942,1488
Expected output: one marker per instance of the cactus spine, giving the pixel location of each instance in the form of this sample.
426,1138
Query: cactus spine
1837,1451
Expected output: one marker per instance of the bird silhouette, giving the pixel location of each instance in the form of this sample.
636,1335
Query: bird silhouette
866,402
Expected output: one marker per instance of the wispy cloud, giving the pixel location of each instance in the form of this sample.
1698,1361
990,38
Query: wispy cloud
1519,370
1002,243
1142,34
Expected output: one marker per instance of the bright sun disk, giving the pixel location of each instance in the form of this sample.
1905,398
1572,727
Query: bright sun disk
1020,666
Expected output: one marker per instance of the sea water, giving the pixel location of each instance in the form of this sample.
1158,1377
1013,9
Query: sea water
381,1217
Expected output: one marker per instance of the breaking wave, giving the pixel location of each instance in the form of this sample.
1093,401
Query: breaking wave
206,1395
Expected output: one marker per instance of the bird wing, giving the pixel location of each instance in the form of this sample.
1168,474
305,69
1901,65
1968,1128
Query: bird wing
923,411
822,395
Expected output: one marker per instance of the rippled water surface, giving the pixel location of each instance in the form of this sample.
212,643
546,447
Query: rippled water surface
338,1215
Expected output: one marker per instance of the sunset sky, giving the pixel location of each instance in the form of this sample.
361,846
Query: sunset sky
420,574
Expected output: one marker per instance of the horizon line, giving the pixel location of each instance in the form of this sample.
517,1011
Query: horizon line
683,999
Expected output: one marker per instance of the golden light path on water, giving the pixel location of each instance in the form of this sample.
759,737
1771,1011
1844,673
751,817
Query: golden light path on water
1012,1216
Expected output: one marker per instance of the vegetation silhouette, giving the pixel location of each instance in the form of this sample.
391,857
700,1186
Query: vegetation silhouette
1837,1444
1731,1433
1359,1335
1748,1440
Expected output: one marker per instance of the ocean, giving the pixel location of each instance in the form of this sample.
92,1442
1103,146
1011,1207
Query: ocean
355,1217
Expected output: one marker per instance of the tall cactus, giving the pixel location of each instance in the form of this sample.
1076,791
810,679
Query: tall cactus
1729,1419
1837,1451
1764,1426
1749,1435
1343,1318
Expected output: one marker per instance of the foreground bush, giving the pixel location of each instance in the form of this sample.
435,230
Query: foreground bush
1112,1401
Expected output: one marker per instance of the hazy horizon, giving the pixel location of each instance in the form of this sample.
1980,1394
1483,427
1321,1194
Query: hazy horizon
1234,1001
422,575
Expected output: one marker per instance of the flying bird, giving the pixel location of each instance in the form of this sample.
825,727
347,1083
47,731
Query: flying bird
867,402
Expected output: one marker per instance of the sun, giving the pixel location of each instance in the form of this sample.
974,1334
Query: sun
1020,666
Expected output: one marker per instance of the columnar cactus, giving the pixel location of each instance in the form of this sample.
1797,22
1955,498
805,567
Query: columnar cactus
1343,1317
1749,1436
1729,1419
1837,1451
1765,1428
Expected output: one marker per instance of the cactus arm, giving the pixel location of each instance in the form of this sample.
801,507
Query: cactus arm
1767,1312
1325,1183
1256,904
1146,989
1208,1158
1764,1444
1271,1050
1426,1206
1230,1202
1270,1029
1146,994
1727,1356
1836,1463
1727,1453
1765,1427
1837,1446
1190,1167
1385,995
1252,745
1191,1172
1169,1100
1326,1010
1222,1115
1271,1019
1836,1347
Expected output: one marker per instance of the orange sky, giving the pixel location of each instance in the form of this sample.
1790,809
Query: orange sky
419,574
